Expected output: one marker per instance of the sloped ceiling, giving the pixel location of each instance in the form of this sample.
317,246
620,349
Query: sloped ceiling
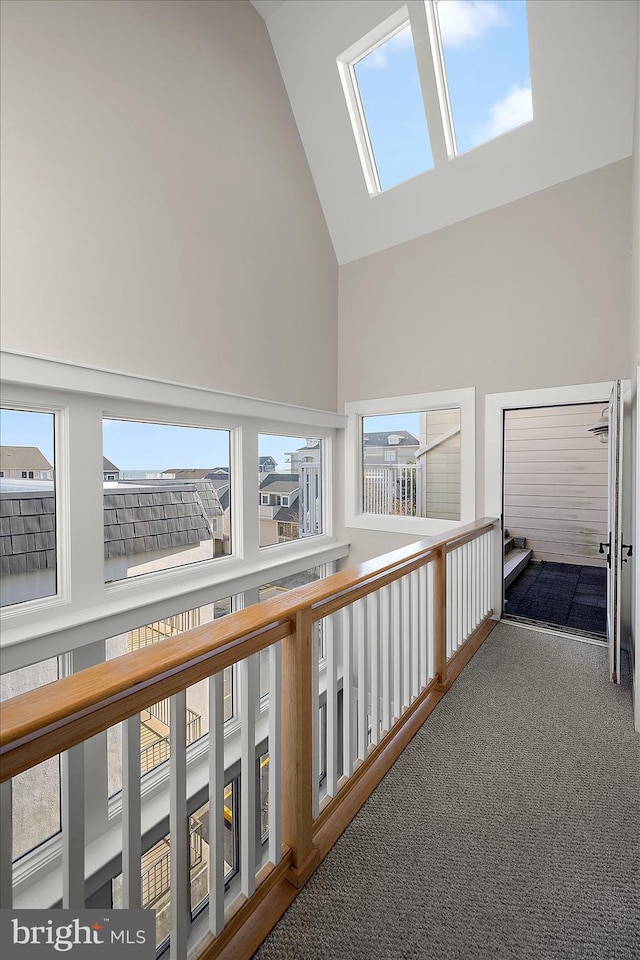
583,55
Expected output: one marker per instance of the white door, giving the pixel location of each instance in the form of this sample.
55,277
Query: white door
614,546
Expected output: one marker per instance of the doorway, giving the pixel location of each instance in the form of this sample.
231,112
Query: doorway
555,517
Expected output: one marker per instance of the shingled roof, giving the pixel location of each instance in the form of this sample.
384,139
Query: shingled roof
27,531
382,439
23,458
280,483
141,519
137,519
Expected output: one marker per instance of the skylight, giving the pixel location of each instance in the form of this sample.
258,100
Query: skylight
390,96
485,61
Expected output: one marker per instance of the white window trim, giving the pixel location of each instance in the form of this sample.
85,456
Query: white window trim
346,68
465,399
86,609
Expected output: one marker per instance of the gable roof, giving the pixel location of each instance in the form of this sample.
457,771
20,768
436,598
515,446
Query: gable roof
109,467
23,458
280,483
381,439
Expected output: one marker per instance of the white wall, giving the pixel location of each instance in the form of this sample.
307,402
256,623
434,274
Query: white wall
532,294
158,215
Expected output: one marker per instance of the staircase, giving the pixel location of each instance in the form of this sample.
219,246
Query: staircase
516,557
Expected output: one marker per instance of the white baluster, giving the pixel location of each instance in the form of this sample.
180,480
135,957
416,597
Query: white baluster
131,814
249,688
275,755
216,803
178,828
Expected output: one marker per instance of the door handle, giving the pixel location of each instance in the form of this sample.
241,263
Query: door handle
608,546
629,548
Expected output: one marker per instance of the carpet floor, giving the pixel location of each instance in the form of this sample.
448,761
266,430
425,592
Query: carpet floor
508,828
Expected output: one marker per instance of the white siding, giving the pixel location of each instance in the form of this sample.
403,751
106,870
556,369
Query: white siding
555,491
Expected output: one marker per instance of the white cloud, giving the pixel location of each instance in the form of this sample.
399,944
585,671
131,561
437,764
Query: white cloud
510,112
378,58
464,20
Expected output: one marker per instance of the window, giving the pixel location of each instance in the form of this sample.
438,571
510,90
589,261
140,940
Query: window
36,792
430,483
381,82
481,55
28,564
158,515
425,480
472,62
292,494
155,743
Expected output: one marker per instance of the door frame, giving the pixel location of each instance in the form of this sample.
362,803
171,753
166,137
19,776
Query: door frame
495,405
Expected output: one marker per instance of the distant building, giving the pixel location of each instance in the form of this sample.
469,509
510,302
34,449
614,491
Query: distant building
309,454
390,446
109,470
24,463
279,508
266,465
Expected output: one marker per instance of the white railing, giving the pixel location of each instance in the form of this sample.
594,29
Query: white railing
392,489
396,633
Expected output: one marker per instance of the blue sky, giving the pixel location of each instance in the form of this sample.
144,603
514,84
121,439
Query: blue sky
486,57
142,446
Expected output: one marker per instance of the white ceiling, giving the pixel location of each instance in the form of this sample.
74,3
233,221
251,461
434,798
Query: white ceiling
583,55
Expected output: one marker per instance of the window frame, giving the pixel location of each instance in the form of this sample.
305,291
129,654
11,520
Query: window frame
464,399
346,63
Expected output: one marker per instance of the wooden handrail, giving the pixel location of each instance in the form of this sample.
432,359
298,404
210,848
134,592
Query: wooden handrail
37,725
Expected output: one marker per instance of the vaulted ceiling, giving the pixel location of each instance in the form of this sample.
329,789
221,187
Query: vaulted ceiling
583,61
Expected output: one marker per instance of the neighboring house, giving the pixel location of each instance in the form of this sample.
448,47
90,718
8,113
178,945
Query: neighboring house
266,465
392,446
109,470
190,473
278,497
309,454
24,463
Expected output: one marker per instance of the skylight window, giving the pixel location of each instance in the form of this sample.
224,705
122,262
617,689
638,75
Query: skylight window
391,99
382,86
483,62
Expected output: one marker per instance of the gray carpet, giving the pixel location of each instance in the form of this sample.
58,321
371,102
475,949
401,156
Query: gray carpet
509,827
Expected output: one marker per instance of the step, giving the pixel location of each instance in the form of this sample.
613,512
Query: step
514,564
508,544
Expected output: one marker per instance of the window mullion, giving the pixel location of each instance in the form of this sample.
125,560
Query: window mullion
432,80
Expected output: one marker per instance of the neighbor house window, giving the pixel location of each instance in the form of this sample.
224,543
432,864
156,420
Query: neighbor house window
382,85
28,563
481,56
160,513
427,479
290,497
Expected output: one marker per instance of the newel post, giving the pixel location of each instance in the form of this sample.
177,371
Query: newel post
297,750
440,591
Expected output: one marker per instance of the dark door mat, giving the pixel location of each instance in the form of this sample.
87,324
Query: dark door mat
560,594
